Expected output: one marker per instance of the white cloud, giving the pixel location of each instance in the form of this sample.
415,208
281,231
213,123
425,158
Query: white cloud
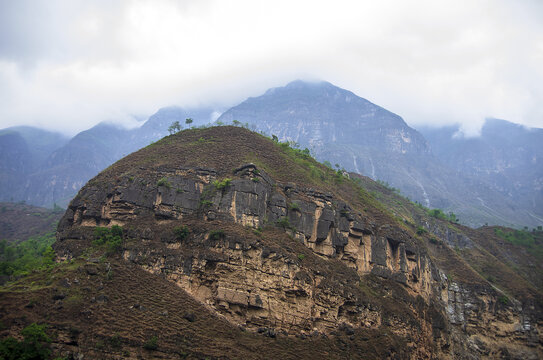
70,64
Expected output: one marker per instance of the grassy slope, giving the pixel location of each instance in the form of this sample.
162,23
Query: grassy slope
18,222
111,313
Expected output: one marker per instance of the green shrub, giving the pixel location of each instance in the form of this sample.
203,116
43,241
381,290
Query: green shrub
164,182
206,203
434,241
111,238
301,256
223,184
421,230
181,232
115,341
439,214
284,223
294,206
503,300
216,234
114,245
338,176
151,344
116,230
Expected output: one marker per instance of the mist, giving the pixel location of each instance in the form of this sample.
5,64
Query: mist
67,65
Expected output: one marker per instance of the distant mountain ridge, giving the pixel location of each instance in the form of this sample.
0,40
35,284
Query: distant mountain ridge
506,156
44,168
478,179
345,129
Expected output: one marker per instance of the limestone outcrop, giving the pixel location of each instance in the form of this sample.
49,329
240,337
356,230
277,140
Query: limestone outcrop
317,282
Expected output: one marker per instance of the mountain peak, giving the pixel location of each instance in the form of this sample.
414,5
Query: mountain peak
299,84
312,88
314,113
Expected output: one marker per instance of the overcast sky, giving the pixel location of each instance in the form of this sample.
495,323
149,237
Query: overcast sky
68,65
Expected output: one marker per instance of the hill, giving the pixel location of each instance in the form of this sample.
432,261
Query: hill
223,243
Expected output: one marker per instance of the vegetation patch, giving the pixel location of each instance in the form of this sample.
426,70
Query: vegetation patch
164,182
284,223
151,344
181,232
531,240
294,206
206,203
222,184
32,254
422,231
35,344
216,234
110,238
439,214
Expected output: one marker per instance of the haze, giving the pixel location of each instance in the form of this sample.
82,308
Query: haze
67,65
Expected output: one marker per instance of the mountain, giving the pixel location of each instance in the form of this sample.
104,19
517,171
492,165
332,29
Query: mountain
505,156
222,243
41,143
23,150
44,169
477,180
344,129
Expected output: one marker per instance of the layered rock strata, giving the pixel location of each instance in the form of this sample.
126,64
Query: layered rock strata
259,286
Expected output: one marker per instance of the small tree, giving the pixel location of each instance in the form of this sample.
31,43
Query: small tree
236,122
174,127
188,121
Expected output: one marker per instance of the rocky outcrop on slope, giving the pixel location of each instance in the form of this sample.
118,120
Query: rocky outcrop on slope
314,280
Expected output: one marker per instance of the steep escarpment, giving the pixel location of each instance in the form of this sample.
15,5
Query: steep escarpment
270,241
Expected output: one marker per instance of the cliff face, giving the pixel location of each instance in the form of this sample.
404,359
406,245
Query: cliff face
294,258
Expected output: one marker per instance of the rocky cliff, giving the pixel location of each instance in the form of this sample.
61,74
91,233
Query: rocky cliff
275,243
